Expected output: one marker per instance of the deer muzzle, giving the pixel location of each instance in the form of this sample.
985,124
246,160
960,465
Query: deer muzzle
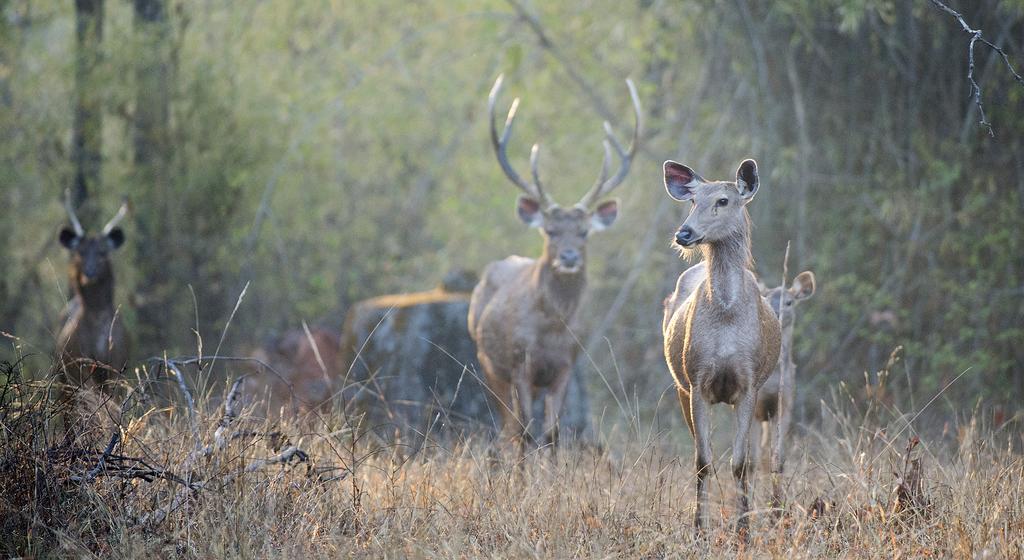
686,237
569,261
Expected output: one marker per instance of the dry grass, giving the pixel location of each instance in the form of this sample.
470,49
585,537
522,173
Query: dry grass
854,492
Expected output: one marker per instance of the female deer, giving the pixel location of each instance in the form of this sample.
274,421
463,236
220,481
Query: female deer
721,337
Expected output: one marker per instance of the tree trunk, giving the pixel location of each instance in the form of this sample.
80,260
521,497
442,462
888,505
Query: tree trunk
154,229
87,128
152,99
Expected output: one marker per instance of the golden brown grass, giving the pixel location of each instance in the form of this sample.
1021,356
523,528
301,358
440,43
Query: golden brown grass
358,497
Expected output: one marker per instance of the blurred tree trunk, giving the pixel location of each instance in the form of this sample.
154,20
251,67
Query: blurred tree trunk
152,97
6,56
87,128
150,142
8,306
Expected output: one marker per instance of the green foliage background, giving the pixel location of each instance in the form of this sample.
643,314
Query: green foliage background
359,128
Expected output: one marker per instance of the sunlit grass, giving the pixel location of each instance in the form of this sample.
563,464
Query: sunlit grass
631,495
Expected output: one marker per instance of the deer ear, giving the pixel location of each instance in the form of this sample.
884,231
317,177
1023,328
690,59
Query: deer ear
604,215
746,179
803,285
528,210
68,238
115,237
680,180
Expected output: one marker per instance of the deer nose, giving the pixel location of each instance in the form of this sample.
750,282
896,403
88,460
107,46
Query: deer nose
88,273
569,257
685,236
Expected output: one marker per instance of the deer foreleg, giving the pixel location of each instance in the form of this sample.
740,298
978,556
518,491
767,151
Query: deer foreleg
553,403
782,421
740,466
701,419
754,447
522,391
506,405
684,404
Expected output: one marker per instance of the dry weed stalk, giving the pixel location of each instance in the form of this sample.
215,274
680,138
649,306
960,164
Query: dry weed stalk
908,495
204,468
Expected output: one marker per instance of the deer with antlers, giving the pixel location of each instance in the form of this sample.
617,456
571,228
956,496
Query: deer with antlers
721,337
92,342
521,312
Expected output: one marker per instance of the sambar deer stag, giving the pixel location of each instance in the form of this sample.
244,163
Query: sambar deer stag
521,312
773,412
92,343
721,337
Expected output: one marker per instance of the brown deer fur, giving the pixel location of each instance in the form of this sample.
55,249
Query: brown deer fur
521,312
92,343
304,365
721,337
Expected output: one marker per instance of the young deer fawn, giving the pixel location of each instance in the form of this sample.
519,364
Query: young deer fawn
521,312
721,337
92,342
775,398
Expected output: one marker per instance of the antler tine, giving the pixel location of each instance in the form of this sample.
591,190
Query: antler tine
605,163
541,195
121,213
500,144
602,186
79,230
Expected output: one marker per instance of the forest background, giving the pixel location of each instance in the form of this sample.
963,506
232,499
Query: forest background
325,152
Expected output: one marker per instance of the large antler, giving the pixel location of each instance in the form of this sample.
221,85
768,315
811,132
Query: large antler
604,185
79,231
121,212
500,144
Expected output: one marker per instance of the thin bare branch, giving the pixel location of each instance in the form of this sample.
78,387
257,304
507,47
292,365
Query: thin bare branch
183,387
976,37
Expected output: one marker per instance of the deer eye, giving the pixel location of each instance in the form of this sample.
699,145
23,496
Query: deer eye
722,202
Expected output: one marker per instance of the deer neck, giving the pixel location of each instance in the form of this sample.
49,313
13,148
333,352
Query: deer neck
728,261
559,293
97,295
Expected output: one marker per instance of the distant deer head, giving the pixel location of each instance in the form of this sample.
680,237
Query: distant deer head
90,255
719,207
564,229
784,300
